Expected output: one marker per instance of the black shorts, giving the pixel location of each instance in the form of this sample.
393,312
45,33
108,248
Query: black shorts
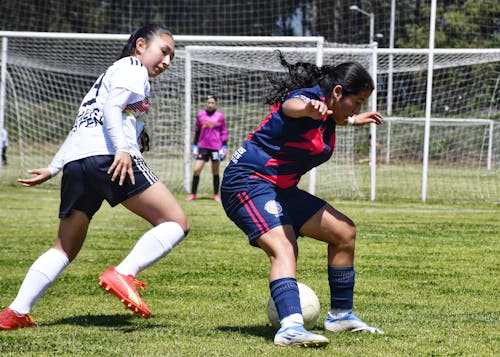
86,183
208,154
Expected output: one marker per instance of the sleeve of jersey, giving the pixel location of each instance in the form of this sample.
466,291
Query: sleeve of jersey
223,132
129,78
113,122
132,77
197,125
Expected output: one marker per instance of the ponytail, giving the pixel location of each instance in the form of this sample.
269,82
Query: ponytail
353,78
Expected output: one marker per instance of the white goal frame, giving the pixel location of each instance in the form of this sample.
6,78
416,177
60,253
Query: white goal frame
308,44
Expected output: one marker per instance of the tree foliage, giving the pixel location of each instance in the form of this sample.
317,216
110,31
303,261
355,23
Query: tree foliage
460,23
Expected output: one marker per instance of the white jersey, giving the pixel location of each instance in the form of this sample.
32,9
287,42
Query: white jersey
89,136
5,138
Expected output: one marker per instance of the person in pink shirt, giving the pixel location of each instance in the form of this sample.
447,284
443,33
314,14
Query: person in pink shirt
210,143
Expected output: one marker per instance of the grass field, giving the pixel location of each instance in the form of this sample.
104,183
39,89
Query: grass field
427,275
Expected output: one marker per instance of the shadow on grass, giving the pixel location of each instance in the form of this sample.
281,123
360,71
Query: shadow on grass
266,332
124,321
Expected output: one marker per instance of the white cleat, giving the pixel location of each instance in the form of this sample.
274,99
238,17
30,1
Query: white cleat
298,336
348,322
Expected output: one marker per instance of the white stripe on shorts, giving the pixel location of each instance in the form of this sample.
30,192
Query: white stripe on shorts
146,171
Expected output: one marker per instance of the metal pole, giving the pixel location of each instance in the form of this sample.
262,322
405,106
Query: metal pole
428,102
390,80
319,62
373,127
372,27
3,86
187,120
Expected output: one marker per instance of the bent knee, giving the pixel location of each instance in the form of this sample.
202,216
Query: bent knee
347,236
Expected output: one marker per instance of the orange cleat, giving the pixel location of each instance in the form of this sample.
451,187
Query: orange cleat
9,320
123,287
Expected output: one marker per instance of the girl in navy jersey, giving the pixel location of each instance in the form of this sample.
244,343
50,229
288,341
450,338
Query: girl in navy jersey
260,195
101,160
210,143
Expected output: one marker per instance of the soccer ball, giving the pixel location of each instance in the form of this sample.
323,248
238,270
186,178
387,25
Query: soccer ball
309,303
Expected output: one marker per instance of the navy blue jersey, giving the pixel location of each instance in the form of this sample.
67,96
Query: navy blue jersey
282,149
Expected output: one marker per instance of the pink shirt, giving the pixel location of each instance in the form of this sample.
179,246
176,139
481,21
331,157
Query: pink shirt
212,130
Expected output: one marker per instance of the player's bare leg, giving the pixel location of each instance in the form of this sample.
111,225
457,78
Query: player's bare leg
158,206
338,230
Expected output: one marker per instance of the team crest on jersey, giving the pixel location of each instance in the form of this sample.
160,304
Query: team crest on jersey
273,207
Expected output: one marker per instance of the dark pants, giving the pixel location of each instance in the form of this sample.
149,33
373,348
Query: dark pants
4,155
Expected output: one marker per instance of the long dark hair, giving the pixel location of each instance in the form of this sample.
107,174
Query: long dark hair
352,76
146,32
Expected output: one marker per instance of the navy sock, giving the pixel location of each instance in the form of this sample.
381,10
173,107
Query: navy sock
216,182
285,293
194,184
341,280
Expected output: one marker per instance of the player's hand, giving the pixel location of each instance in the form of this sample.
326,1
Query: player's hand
194,151
42,175
121,166
368,118
317,110
222,152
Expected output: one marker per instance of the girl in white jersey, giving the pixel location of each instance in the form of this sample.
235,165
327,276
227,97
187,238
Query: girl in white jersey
101,160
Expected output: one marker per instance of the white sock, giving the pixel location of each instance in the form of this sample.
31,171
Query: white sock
151,247
292,320
42,273
338,314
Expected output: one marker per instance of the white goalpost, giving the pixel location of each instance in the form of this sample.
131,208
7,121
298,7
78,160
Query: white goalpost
44,76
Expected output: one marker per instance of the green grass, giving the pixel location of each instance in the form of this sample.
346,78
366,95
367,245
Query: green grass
427,275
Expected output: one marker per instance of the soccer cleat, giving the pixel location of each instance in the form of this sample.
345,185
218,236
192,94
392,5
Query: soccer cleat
299,336
191,197
216,198
348,322
9,320
123,287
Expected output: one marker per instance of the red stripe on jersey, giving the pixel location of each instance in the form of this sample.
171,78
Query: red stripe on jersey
253,212
274,108
282,181
277,162
314,143
138,107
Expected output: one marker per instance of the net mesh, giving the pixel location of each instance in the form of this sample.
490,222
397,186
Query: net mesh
47,79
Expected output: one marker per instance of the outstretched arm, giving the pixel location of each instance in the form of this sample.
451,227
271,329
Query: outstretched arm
368,118
42,175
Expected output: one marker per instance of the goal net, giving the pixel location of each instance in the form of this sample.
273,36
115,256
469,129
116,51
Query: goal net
47,77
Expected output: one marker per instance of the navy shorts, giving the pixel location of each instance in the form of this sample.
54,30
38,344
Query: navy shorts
86,184
264,206
208,154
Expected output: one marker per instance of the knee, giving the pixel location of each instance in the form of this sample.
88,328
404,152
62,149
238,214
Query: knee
346,238
350,236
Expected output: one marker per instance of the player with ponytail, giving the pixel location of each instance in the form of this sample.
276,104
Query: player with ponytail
101,160
260,191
